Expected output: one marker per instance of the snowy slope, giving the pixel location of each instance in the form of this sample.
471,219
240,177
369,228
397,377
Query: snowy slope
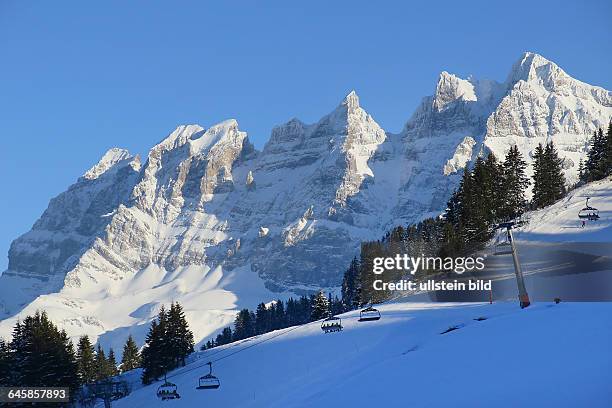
527,358
217,225
560,222
559,257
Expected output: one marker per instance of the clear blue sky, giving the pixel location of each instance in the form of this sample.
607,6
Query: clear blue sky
77,78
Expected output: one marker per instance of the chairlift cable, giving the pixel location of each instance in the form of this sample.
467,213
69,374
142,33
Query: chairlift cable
179,372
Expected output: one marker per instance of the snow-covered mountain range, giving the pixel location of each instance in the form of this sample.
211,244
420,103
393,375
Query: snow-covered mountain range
211,222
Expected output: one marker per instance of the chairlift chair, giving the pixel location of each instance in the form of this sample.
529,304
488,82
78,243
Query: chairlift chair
503,248
208,381
167,391
369,314
331,324
588,212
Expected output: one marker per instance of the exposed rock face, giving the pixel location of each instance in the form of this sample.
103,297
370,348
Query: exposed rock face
306,178
211,222
463,154
74,217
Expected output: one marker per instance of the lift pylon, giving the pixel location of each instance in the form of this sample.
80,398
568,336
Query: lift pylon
520,281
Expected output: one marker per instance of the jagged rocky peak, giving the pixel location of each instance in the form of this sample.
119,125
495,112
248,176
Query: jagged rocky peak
544,104
349,106
177,138
358,125
295,133
351,101
286,136
216,141
532,67
224,143
535,70
188,166
74,217
108,160
285,131
220,136
451,88
295,144
456,104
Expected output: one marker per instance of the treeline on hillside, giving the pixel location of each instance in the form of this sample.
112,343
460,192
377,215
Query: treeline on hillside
278,315
599,159
41,355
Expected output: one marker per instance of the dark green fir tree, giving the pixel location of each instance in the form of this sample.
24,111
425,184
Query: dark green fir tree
42,355
112,363
130,358
5,364
179,337
515,183
86,360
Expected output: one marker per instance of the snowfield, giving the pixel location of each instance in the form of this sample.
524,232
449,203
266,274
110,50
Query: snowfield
548,355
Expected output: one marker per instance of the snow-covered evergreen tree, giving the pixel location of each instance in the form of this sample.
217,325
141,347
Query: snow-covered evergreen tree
320,306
